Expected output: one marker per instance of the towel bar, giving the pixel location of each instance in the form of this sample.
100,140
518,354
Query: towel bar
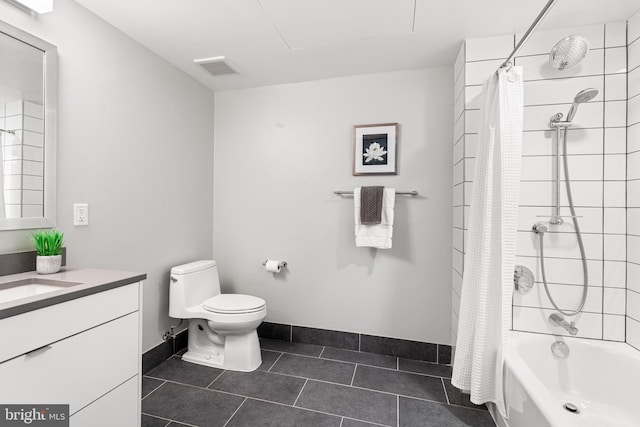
350,193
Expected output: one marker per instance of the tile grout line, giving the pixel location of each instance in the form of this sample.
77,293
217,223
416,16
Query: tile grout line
462,406
341,421
235,412
363,421
312,410
300,393
274,363
376,354
398,411
320,381
404,370
322,351
363,364
353,377
168,420
234,394
214,380
477,408
148,394
446,395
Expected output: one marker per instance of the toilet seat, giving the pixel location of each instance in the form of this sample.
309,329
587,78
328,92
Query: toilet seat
234,304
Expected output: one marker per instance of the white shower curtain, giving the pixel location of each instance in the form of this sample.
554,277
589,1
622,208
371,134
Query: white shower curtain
487,285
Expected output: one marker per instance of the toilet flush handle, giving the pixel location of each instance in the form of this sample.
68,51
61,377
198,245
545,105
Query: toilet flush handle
174,279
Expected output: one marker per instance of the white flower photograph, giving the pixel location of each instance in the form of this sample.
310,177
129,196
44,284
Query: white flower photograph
375,152
375,149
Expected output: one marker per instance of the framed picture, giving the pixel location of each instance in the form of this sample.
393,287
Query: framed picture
375,148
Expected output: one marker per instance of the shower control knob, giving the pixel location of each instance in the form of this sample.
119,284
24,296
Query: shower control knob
539,228
523,279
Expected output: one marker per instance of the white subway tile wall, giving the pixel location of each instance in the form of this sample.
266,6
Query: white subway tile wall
633,184
616,34
23,156
460,105
603,169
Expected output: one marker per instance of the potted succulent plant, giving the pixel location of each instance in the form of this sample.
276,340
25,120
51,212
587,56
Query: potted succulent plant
48,245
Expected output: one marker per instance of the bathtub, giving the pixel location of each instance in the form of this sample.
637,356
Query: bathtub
601,378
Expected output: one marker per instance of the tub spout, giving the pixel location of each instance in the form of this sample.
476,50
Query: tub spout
558,320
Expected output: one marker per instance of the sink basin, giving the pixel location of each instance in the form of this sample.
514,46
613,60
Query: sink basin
26,288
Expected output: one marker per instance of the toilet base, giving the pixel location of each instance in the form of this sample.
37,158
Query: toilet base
236,351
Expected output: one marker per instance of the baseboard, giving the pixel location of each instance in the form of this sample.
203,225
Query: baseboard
429,352
406,349
163,351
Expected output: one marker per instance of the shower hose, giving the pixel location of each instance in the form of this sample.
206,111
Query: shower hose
578,234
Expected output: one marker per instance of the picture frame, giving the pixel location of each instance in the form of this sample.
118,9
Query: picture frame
375,149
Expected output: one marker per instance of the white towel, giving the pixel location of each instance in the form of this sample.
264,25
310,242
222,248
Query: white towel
375,236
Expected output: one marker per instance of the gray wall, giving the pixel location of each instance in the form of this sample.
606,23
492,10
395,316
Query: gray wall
280,151
135,141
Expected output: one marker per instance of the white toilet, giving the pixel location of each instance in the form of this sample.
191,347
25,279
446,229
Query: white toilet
222,327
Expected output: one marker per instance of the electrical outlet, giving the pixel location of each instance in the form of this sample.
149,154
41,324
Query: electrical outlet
80,214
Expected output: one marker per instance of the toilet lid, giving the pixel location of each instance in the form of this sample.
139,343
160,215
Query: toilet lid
234,303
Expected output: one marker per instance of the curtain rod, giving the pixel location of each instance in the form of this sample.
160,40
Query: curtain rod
350,193
531,29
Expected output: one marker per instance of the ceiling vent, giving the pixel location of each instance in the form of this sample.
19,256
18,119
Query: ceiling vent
217,66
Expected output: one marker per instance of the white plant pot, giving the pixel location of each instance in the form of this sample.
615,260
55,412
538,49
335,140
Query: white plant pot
48,264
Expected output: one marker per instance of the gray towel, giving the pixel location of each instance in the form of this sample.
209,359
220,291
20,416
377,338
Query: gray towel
371,205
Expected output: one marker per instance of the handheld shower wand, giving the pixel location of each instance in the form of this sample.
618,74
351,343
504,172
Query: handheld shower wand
583,96
558,124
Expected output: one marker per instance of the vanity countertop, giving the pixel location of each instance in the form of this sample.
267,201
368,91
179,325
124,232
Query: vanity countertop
89,281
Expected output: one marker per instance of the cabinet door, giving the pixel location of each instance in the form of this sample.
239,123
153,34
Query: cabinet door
117,408
31,330
76,370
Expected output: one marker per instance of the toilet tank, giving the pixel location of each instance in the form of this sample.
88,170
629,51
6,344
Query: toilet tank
190,285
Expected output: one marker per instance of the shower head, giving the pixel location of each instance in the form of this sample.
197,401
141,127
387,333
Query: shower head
568,52
583,96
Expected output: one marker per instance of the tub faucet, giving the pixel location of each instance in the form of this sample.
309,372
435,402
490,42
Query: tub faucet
558,320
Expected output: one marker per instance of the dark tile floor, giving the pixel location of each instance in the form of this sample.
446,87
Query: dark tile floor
302,385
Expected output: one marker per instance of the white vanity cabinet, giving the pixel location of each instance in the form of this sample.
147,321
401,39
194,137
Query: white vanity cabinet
84,352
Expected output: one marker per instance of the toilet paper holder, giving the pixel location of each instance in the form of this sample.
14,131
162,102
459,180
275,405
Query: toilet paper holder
281,264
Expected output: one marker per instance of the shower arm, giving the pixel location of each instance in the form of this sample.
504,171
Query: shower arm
528,33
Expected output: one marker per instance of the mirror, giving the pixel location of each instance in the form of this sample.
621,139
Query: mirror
28,103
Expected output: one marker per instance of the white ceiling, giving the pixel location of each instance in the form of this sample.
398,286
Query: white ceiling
283,41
